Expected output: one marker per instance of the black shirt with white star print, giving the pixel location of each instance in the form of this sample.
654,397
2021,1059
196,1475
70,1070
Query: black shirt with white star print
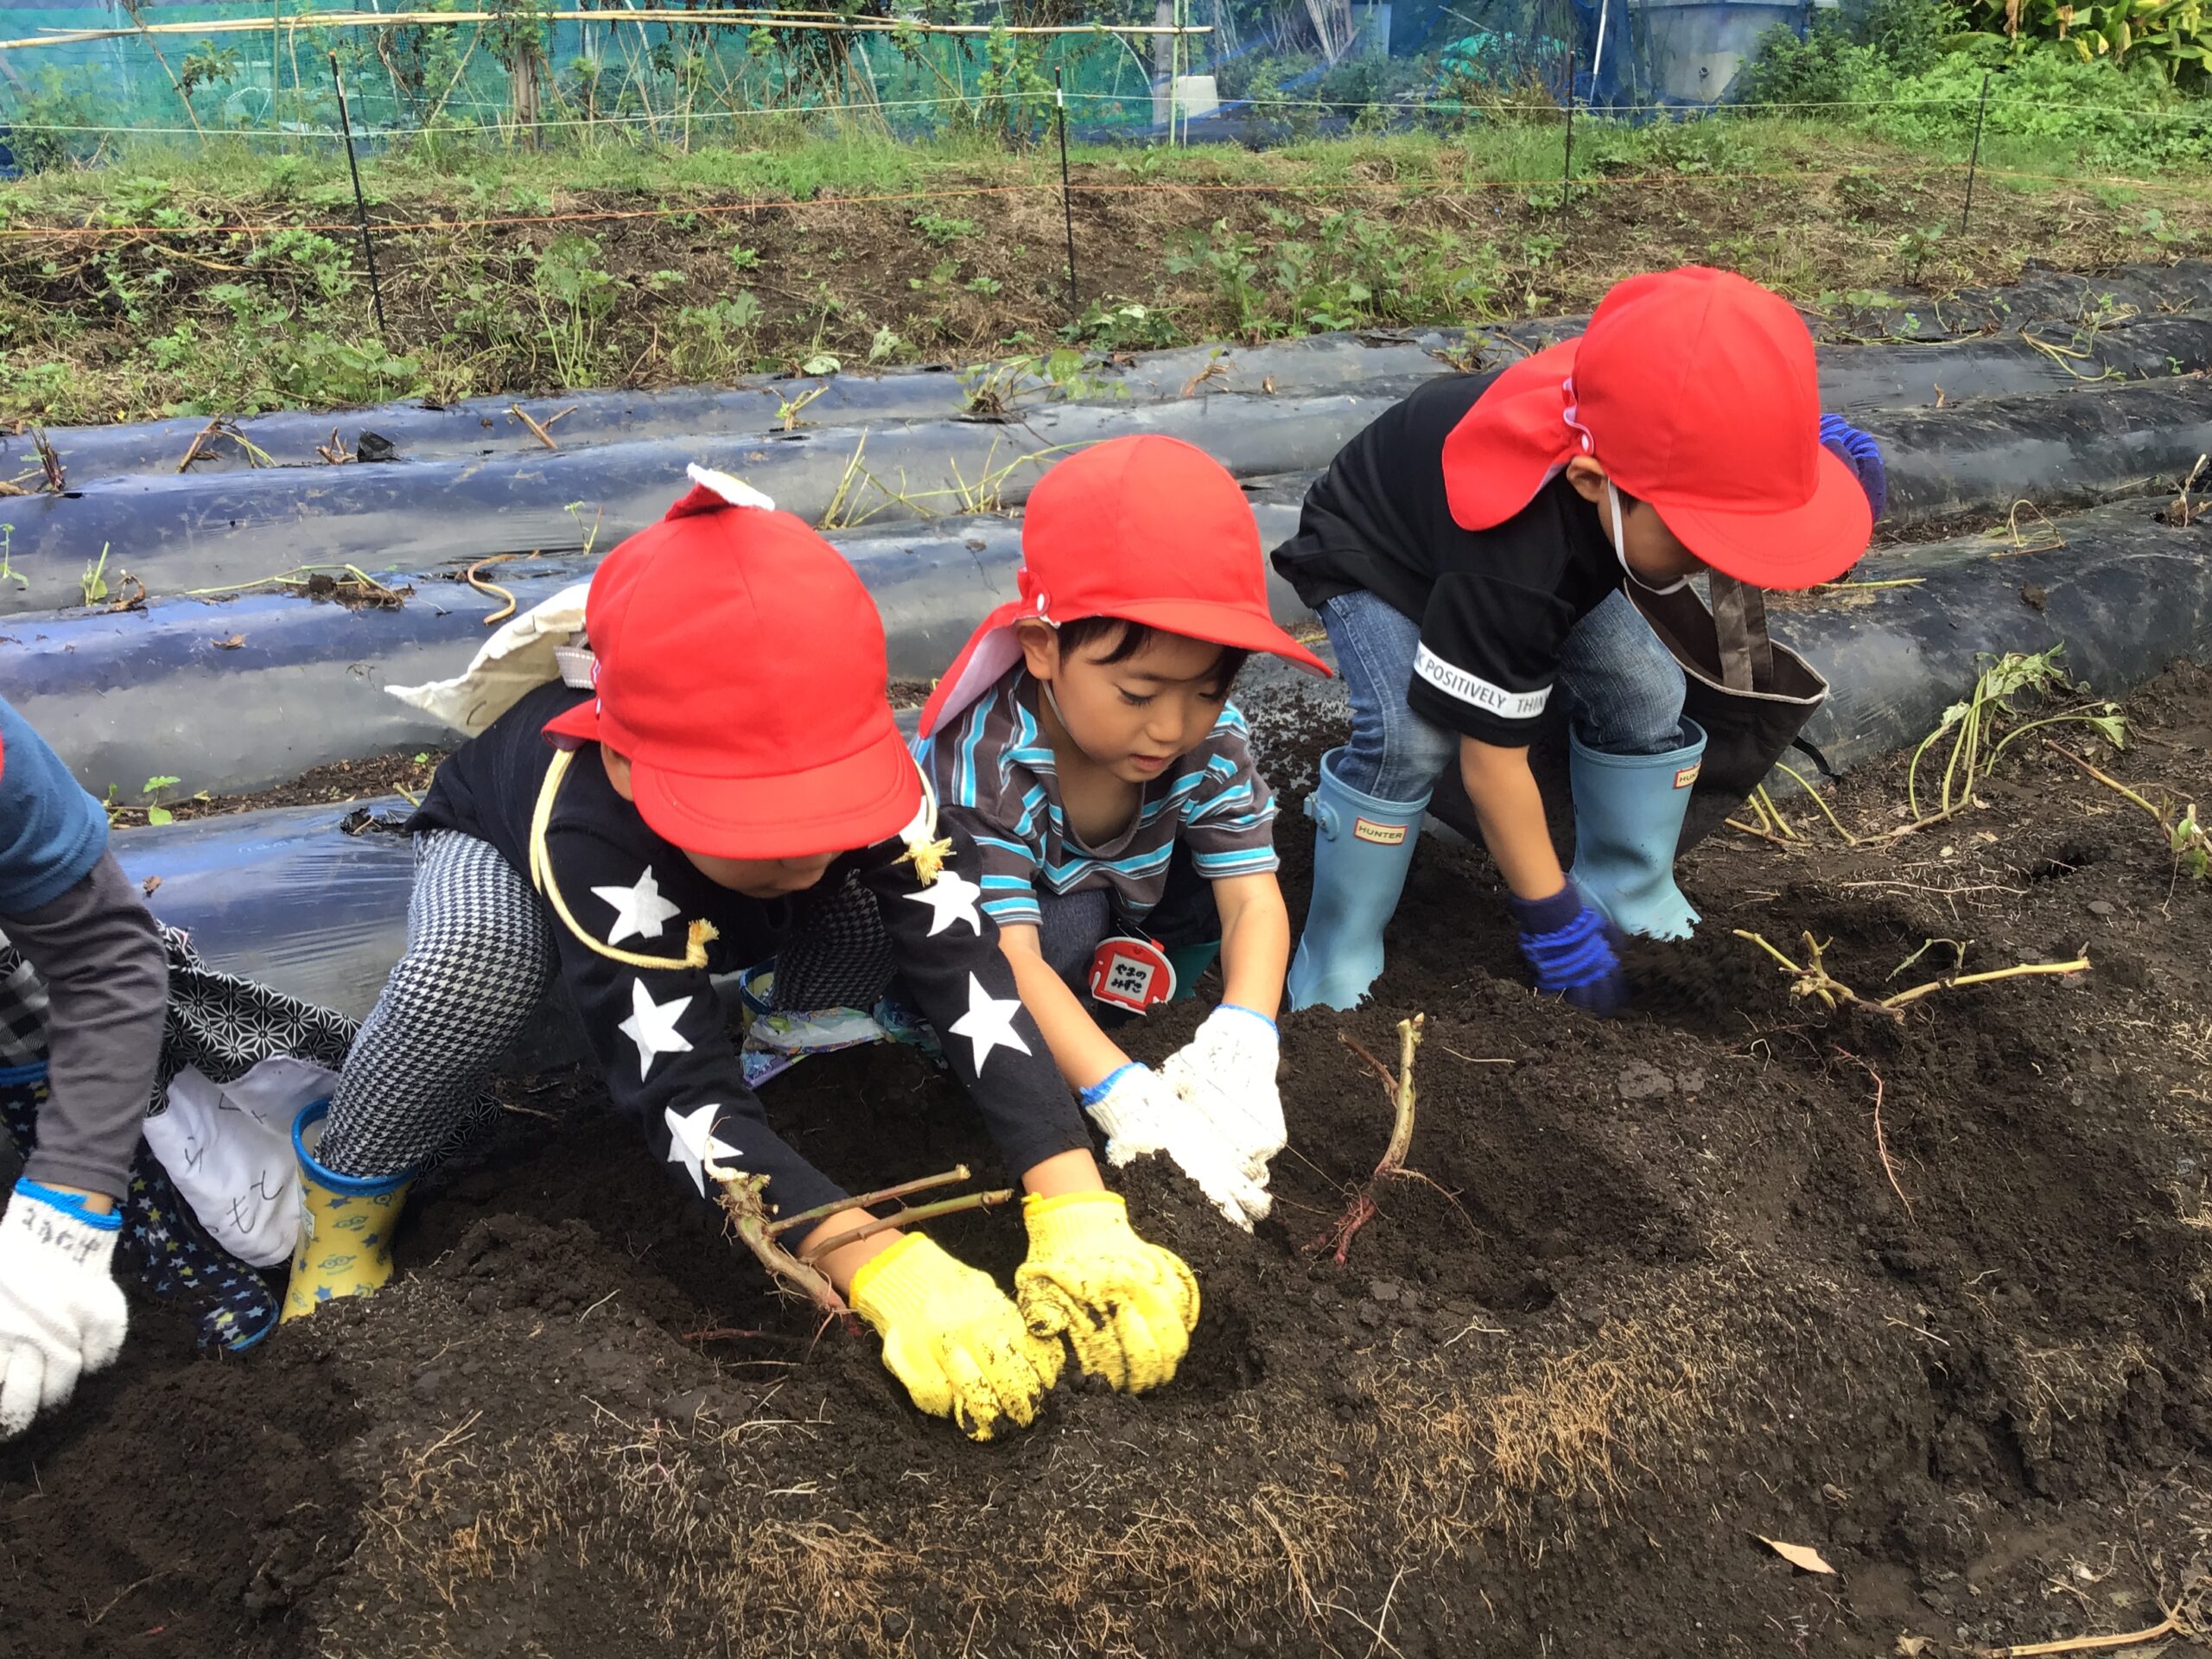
659,1033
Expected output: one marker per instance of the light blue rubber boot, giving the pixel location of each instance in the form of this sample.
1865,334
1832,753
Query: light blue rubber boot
1628,820
1361,854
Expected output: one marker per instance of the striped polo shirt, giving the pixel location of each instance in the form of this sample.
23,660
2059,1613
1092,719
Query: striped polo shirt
995,778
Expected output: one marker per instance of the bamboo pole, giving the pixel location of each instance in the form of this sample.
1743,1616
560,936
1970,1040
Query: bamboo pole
131,6
655,14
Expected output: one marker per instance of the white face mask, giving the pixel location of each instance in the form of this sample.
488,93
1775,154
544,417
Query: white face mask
1620,548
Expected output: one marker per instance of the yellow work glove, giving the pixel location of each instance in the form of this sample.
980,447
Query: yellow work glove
1127,1307
953,1338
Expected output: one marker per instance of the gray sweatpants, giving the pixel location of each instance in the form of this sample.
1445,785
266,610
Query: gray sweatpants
98,954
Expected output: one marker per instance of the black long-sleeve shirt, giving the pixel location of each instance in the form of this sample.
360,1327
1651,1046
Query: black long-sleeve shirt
658,1032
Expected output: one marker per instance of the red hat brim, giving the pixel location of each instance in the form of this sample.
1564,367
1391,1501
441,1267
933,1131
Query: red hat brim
1799,547
843,804
991,649
1223,625
857,801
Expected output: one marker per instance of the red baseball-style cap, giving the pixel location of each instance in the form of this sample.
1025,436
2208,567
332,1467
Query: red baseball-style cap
1697,389
739,664
1150,530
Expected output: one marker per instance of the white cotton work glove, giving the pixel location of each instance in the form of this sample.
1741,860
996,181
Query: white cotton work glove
1226,1073
61,1312
1140,1114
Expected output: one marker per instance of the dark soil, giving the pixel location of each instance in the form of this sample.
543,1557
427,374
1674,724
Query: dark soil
341,780
1651,1297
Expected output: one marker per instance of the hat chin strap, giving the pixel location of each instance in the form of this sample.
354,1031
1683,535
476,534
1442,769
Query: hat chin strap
1620,548
697,937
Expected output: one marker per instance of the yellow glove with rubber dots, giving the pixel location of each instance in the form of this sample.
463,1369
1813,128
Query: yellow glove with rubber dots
952,1338
1127,1307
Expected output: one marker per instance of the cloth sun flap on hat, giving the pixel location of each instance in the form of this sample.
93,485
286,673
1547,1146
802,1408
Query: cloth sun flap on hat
1147,529
1698,391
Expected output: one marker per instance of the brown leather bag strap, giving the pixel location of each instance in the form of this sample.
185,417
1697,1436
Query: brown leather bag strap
1739,628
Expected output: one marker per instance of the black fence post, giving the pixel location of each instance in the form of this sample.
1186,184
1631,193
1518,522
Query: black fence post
1974,161
360,204
1067,209
1567,172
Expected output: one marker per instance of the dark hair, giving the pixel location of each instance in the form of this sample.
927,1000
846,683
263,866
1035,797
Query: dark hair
1087,631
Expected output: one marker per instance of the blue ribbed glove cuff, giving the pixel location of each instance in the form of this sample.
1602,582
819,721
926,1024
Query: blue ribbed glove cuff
72,1205
1858,451
1249,1014
1566,954
1104,1086
1547,915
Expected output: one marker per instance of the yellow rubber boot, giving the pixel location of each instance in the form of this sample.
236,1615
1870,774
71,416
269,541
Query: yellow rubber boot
346,1225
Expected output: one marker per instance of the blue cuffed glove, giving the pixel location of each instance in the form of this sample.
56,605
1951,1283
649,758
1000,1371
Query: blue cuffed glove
1858,451
1570,949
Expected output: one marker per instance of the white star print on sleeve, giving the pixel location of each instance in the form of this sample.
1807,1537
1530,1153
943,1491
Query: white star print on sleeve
989,1023
951,898
639,909
693,1143
652,1027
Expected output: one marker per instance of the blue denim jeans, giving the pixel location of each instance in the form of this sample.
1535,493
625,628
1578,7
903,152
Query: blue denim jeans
1624,693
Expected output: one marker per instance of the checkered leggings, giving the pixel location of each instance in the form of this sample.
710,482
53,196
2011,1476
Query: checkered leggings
480,956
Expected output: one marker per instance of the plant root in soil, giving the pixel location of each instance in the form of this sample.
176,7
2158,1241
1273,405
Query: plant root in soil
1361,1209
742,1200
1814,979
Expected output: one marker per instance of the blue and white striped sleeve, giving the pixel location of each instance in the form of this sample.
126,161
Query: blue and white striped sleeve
976,794
1228,821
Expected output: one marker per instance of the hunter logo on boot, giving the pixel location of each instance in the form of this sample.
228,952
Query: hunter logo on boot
1688,775
1381,835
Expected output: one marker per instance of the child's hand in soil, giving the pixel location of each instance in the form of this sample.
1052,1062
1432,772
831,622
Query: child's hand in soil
61,1312
1141,1113
952,1337
1127,1307
1226,1073
1573,951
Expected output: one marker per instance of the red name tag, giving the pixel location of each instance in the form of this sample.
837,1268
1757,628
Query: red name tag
1132,974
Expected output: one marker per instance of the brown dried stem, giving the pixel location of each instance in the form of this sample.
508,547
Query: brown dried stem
742,1201
1361,1209
537,427
1814,980
907,1216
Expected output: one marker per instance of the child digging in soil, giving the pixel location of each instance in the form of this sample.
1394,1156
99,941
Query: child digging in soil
82,926
1084,739
734,786
1467,554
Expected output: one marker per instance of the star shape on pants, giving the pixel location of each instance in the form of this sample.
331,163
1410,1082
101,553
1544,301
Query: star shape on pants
951,899
652,1027
639,908
989,1023
693,1143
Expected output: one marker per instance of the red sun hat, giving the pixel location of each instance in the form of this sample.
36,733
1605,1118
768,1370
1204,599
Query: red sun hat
1697,389
739,664
1150,530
